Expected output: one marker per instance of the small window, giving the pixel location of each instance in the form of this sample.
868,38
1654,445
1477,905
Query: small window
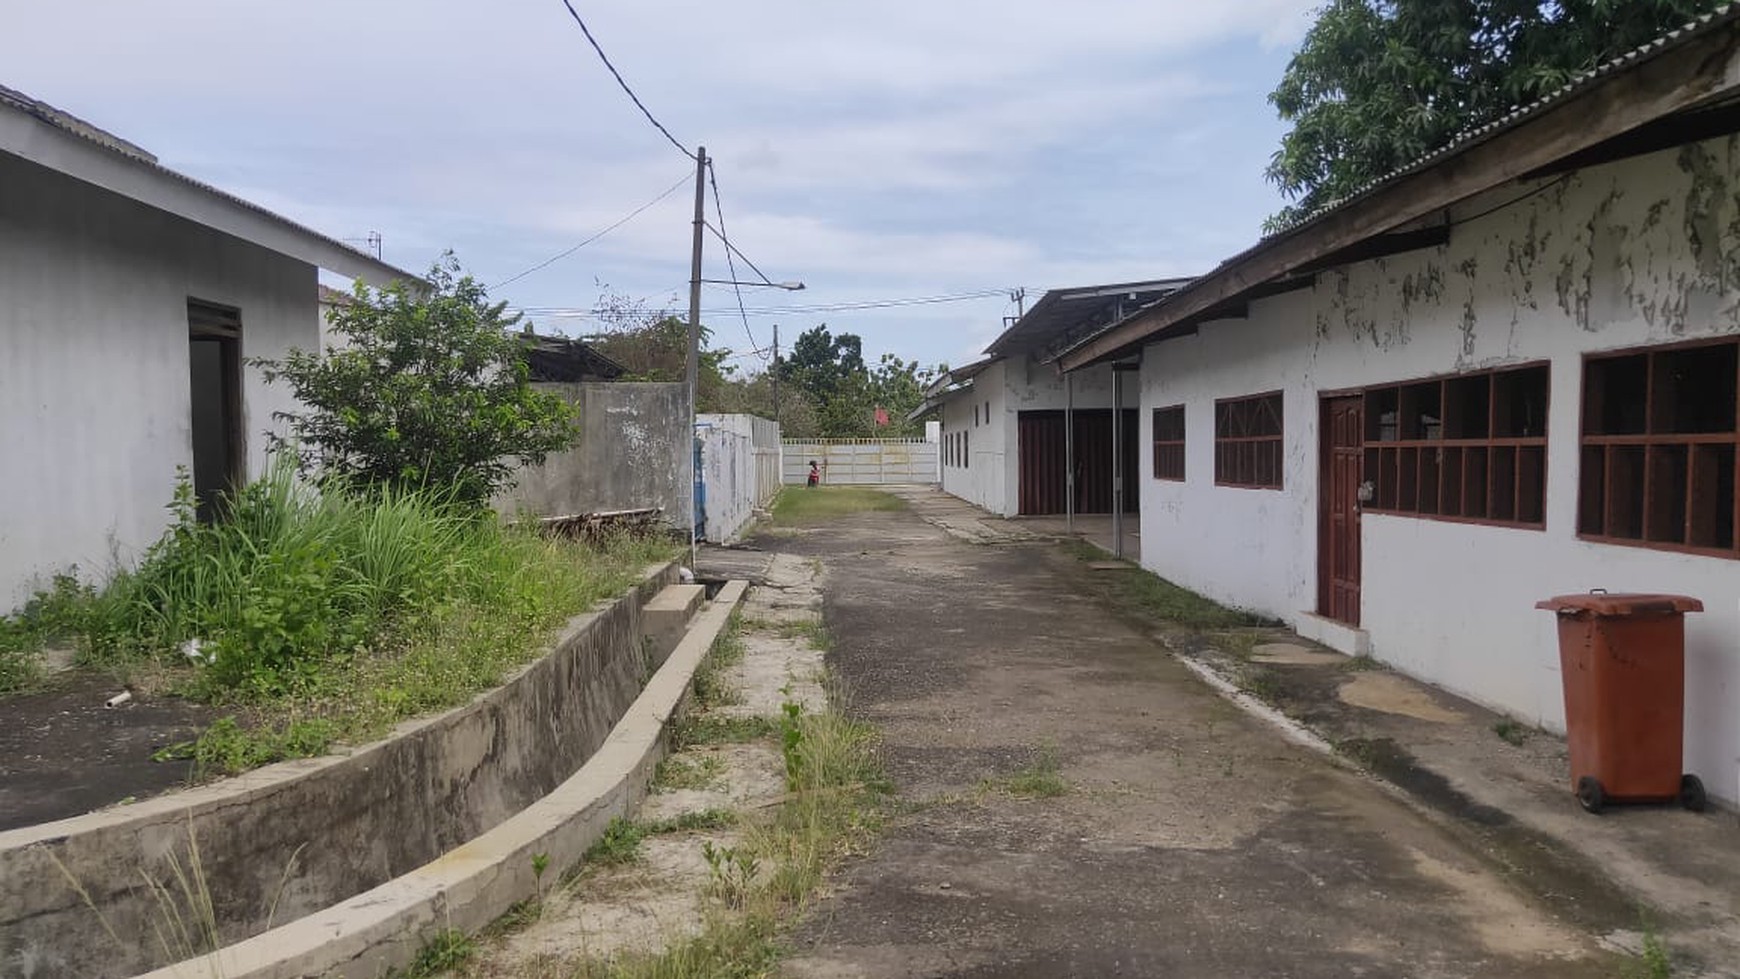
1169,443
966,450
1247,442
1658,448
1471,447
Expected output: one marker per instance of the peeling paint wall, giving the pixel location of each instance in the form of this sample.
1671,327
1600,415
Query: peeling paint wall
634,451
1642,251
1012,386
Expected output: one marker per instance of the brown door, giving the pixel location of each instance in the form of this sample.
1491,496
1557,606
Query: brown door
1040,440
1044,451
1338,525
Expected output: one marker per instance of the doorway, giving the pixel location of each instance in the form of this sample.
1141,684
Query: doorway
214,354
1342,473
1043,452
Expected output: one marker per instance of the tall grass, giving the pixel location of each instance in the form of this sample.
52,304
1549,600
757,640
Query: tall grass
332,614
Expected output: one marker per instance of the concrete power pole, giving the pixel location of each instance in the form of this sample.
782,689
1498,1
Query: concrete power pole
694,361
776,373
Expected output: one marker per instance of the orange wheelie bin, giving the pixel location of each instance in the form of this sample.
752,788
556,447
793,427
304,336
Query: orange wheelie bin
1624,665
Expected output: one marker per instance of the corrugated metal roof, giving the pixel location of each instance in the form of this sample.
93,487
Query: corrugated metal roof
1520,115
69,123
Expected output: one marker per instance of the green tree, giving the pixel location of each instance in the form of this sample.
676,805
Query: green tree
425,388
1378,84
653,345
823,364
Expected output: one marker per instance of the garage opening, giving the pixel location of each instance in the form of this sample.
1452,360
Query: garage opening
1043,451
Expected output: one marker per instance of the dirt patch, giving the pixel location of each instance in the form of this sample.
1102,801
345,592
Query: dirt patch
1294,655
1394,694
62,753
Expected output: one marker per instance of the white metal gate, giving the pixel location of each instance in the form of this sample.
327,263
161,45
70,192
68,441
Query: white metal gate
861,462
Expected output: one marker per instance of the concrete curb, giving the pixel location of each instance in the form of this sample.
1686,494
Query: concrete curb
475,883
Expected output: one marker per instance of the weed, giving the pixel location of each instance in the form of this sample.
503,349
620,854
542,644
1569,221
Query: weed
1510,731
819,505
1260,683
810,629
711,687
689,822
1654,961
1158,598
1362,663
620,843
678,772
733,870
791,737
226,748
712,729
1363,752
1041,779
448,950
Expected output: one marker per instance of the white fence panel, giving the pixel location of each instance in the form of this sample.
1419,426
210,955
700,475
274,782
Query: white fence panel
739,471
862,462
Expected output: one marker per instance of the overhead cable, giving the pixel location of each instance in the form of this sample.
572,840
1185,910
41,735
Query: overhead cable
553,259
620,81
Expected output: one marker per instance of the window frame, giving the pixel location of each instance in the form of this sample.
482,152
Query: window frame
1491,443
1158,443
1279,438
1648,439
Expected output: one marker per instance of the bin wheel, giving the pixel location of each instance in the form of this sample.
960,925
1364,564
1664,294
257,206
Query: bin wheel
1591,794
1692,793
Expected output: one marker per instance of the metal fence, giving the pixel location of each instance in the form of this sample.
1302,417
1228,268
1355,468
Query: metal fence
862,462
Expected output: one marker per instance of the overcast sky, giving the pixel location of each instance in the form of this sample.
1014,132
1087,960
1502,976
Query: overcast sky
876,151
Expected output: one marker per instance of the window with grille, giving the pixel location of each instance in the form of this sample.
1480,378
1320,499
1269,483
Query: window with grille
1247,441
1471,447
1658,448
1169,443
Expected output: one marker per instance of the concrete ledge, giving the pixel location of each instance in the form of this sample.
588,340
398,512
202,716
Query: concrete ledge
348,822
667,616
477,882
1339,636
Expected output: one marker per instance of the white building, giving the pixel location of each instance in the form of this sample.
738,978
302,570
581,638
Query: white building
131,299
1012,426
1505,373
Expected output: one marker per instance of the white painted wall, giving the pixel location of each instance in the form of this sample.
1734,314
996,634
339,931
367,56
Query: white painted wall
94,384
734,470
1637,252
1002,392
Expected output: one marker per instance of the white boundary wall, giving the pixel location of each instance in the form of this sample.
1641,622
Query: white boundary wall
862,462
739,471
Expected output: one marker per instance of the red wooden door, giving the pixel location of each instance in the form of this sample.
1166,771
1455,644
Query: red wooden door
1342,471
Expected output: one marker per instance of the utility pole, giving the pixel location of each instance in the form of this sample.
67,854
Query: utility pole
1019,298
694,360
776,373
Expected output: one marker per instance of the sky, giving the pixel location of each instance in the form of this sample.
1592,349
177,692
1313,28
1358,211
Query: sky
877,152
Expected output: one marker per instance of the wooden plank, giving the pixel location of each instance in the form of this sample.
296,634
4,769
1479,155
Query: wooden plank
1678,76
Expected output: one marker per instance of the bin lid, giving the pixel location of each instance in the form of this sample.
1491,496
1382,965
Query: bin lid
1620,603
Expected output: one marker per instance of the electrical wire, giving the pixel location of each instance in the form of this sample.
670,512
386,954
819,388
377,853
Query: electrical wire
620,81
730,263
553,259
580,312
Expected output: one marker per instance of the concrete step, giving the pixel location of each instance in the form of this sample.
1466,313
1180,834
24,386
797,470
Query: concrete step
666,617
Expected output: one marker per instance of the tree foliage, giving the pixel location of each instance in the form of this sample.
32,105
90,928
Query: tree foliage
1378,84
830,372
423,388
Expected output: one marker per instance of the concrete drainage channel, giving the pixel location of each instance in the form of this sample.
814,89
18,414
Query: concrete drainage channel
654,890
470,886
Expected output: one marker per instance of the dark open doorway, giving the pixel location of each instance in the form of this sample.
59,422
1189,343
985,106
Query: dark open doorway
1040,436
214,340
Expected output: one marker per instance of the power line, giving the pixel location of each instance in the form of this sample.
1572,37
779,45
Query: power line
553,259
731,263
619,80
584,312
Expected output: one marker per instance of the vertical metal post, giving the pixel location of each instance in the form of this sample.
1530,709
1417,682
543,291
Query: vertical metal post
693,368
1069,452
1117,462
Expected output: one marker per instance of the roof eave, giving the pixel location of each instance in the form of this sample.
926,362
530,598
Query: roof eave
1668,76
154,185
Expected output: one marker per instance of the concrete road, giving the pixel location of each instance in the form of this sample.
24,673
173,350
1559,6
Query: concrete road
1191,841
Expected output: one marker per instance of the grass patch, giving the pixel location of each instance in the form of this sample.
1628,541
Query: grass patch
1654,962
448,950
620,843
1362,663
1511,732
797,506
836,780
692,822
1041,779
678,772
710,685
811,630
712,729
1155,597
326,616
1259,682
